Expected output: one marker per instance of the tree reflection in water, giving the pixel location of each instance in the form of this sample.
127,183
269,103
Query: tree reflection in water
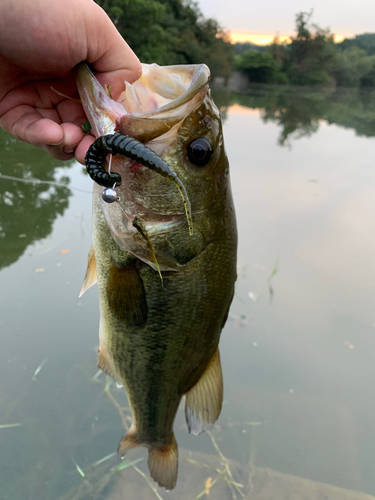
298,110
27,209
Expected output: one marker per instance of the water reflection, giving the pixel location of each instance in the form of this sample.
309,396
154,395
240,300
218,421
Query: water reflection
27,209
299,399
298,112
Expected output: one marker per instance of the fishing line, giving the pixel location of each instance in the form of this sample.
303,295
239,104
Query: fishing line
39,181
110,164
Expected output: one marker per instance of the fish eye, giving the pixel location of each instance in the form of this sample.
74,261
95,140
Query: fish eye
199,152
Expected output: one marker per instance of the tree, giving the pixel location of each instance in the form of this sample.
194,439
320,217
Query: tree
260,67
28,210
366,41
171,32
312,54
351,66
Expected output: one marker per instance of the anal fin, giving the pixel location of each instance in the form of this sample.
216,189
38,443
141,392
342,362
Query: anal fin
90,276
204,400
128,442
104,364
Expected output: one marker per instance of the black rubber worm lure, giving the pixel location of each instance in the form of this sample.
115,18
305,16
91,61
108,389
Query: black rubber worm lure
131,148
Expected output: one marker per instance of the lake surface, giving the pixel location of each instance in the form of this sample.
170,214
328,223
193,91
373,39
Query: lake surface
298,350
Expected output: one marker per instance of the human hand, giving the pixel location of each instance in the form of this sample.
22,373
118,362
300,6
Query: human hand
40,44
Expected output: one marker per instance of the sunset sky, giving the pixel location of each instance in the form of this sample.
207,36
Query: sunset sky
258,21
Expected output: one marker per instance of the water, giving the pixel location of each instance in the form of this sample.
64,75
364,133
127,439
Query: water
298,350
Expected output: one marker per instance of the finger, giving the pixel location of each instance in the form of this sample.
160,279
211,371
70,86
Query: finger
73,135
57,152
25,123
71,112
82,148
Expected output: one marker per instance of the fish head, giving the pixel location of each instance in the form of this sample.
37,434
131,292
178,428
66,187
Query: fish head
170,110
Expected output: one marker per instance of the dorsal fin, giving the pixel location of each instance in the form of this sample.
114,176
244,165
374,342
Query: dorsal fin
90,276
205,398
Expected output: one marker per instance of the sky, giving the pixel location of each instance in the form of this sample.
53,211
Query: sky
260,20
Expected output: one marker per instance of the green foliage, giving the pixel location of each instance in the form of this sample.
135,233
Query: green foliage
28,210
312,58
366,41
171,32
312,54
260,67
241,47
360,45
351,66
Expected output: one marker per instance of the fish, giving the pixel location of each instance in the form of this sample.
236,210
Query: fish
166,274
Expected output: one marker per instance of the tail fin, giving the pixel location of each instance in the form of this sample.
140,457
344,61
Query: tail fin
163,464
128,442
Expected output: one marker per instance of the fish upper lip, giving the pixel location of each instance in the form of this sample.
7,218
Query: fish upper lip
105,113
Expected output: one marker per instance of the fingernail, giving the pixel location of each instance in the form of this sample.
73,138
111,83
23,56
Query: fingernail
55,143
68,151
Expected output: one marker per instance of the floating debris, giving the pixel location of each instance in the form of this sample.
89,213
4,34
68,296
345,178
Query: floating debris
37,371
349,345
253,296
208,485
8,426
239,321
63,252
148,482
104,459
125,465
80,471
39,270
99,372
273,272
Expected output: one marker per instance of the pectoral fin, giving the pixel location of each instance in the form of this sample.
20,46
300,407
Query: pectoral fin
205,398
126,294
90,276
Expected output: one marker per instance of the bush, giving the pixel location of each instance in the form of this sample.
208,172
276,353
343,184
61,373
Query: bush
260,67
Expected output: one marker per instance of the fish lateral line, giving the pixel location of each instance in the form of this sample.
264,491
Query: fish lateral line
129,147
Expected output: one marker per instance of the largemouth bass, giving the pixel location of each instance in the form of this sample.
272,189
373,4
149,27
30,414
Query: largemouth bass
165,282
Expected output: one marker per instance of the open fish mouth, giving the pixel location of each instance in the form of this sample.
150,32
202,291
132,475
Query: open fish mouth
137,178
148,108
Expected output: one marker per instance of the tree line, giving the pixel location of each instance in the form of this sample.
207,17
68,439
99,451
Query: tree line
172,32
176,32
312,58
